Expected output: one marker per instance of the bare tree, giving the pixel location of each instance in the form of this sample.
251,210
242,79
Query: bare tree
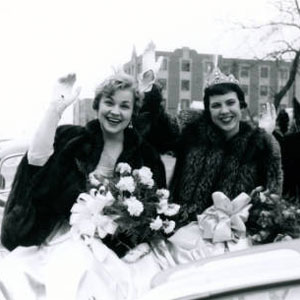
284,32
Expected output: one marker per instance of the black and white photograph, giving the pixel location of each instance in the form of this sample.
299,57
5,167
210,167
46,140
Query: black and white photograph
150,150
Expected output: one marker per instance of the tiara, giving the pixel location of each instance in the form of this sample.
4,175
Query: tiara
216,77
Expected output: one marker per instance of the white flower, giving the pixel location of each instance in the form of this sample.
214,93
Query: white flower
134,206
169,226
172,210
126,183
123,168
87,217
145,176
105,225
97,201
162,206
82,227
167,209
262,197
163,193
156,224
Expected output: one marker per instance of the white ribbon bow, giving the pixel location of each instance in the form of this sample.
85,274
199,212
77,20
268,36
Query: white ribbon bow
225,220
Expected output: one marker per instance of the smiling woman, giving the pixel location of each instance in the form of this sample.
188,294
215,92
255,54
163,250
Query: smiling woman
62,163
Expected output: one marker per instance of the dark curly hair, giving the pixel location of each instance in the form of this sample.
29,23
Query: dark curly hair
119,81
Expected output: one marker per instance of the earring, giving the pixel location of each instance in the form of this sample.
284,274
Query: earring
130,125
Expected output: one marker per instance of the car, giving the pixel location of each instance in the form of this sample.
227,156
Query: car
11,152
265,272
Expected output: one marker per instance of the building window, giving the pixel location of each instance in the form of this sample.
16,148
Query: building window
184,103
185,66
208,66
163,83
264,72
139,68
185,85
244,71
263,90
164,64
245,89
283,74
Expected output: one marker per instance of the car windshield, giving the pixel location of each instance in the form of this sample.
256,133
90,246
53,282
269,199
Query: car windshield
287,291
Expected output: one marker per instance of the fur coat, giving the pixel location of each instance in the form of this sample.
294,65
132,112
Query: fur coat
41,197
206,163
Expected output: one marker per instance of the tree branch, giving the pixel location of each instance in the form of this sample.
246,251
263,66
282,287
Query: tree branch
297,7
292,75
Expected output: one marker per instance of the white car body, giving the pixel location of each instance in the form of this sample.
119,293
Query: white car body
265,272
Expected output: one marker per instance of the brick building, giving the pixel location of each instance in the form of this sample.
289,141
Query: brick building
183,72
182,76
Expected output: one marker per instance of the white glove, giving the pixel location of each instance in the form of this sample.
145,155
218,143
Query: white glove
41,146
64,93
267,119
150,68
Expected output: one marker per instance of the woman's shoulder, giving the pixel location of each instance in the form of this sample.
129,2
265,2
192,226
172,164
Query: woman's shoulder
195,129
69,131
70,136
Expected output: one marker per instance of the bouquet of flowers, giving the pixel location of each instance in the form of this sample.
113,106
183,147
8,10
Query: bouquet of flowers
236,224
272,218
126,211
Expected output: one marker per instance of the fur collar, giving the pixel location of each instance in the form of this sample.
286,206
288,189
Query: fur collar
202,132
94,144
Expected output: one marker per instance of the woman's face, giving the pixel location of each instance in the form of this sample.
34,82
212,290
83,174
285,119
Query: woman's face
115,112
225,112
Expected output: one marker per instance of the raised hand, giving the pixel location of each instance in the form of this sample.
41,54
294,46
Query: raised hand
267,118
64,93
150,68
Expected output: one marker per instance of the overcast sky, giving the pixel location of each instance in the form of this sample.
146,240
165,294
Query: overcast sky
42,39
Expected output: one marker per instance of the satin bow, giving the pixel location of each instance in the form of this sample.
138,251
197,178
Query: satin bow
225,220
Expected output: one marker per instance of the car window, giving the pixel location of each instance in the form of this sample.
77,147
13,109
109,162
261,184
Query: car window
8,167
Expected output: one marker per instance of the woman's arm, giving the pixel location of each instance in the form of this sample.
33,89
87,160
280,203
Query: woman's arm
158,127
41,146
36,174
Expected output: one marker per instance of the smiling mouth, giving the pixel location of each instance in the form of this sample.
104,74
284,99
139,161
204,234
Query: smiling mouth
226,120
113,120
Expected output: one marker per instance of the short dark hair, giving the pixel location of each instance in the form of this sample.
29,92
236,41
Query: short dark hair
222,89
115,83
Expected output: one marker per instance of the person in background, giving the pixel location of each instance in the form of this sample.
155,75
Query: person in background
282,125
290,148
